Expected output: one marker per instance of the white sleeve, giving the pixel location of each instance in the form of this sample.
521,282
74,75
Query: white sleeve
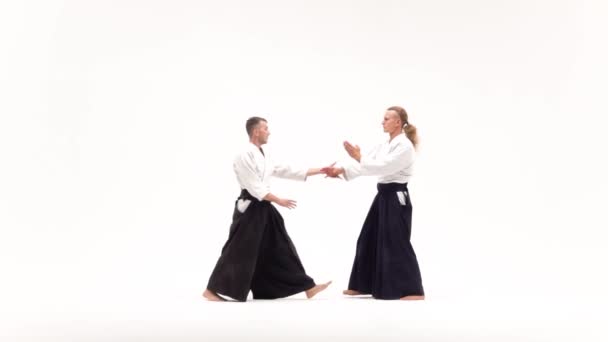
244,167
353,169
288,172
400,158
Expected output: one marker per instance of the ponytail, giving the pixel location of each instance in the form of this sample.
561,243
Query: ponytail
411,133
410,130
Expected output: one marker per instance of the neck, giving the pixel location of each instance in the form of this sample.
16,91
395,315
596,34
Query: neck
256,142
395,133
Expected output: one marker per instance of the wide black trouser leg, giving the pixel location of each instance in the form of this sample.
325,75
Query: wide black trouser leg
279,272
385,263
259,256
364,265
235,267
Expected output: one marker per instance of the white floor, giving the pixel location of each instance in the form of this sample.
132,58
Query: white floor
330,316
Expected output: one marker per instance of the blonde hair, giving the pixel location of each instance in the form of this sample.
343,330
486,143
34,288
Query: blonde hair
409,129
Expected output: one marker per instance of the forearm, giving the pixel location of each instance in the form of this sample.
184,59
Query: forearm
341,171
271,198
313,171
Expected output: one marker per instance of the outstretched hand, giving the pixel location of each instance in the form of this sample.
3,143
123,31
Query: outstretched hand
331,171
353,150
324,169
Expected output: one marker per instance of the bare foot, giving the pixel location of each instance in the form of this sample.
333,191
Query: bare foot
212,296
351,293
318,288
412,298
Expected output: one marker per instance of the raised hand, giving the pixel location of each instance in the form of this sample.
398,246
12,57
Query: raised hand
353,150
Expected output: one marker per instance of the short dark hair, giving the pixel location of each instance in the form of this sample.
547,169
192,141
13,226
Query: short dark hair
252,122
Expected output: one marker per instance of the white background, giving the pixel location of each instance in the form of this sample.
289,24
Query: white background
119,121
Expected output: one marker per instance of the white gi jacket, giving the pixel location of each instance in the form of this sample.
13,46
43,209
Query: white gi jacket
391,161
253,171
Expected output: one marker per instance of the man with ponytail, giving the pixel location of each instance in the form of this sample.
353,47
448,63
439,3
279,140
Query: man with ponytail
385,263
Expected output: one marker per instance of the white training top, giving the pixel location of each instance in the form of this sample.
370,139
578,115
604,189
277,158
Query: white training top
391,161
253,171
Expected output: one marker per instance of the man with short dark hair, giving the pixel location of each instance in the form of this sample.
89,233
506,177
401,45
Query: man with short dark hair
259,255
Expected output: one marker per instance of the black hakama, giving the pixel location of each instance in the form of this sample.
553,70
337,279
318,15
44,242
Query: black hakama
385,263
258,256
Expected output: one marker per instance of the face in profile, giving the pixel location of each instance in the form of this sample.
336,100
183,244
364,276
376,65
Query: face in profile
391,122
262,132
